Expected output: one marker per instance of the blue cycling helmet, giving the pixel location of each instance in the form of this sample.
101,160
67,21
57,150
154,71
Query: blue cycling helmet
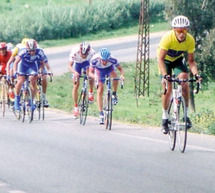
105,54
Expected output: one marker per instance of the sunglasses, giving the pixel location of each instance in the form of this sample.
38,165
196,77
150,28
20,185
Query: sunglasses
179,30
32,50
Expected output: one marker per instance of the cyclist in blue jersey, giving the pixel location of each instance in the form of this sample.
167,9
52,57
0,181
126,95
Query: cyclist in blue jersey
27,61
102,64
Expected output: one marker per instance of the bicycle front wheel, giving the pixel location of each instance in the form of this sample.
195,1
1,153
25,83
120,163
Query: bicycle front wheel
108,111
83,107
172,131
40,104
182,125
3,97
29,105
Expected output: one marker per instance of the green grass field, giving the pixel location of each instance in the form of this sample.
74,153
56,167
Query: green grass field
148,111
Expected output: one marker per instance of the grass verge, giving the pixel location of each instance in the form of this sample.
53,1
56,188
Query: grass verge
148,111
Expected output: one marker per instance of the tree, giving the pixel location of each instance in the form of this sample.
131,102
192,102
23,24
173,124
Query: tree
202,16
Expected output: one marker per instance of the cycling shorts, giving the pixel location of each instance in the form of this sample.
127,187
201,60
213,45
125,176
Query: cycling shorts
24,69
102,72
177,66
79,66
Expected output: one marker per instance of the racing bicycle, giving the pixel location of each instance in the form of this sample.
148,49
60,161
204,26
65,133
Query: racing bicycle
40,97
26,101
83,101
108,102
178,124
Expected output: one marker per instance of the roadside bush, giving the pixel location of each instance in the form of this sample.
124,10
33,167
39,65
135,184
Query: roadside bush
204,121
206,56
52,22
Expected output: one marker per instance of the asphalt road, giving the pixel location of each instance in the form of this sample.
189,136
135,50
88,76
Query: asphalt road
60,156
125,49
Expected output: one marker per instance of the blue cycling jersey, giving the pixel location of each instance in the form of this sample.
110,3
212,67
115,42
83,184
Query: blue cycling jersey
29,59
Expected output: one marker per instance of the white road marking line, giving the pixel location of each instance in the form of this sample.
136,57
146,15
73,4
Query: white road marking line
2,184
162,141
16,191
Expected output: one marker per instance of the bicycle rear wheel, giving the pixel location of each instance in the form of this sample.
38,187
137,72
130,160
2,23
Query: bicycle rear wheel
182,125
83,104
172,131
108,111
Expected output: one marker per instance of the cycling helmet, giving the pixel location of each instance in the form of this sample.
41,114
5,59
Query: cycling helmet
31,44
180,22
3,45
84,47
105,54
10,46
24,41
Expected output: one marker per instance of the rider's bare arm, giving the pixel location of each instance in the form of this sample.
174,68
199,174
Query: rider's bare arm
17,60
192,64
121,72
161,63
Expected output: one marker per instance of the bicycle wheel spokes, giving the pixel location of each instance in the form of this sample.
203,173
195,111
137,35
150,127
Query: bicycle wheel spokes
172,131
182,126
83,107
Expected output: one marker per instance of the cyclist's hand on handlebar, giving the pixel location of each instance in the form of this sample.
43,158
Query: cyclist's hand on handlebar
50,73
122,78
14,75
198,77
76,74
166,77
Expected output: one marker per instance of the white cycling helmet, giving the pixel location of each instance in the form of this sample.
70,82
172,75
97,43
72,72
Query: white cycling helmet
10,46
31,44
180,22
85,47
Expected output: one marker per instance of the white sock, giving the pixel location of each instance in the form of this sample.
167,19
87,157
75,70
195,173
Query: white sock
187,111
44,95
165,114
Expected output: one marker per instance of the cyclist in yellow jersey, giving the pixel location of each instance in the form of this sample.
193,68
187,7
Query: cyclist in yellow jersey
15,51
171,51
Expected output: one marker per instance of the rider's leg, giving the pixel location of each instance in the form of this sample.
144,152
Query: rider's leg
75,91
185,87
113,74
33,85
20,81
100,91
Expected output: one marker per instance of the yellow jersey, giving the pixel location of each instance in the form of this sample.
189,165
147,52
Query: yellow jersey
174,48
17,49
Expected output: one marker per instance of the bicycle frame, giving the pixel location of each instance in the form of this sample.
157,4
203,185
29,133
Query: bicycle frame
26,100
108,104
40,97
178,114
83,102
